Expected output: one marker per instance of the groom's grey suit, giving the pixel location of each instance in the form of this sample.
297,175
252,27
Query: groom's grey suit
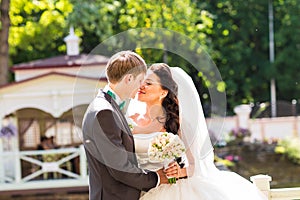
109,146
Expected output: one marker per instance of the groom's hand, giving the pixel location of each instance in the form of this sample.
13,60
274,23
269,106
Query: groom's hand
162,176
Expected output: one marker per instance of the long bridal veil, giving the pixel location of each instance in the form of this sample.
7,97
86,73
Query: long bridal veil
193,127
200,153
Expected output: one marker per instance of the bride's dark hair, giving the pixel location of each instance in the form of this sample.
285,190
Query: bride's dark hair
170,102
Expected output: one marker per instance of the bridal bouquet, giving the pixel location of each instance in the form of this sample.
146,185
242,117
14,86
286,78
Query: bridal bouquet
166,147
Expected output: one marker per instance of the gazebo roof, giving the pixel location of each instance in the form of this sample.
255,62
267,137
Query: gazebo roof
53,93
48,74
63,61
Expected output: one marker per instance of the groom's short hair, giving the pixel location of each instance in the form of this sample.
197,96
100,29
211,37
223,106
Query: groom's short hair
122,63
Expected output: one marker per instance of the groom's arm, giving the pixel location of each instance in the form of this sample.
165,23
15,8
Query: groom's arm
112,153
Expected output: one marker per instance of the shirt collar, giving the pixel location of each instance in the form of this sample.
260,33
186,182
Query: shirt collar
117,98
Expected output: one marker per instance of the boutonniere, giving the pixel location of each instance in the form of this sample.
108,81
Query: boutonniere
131,123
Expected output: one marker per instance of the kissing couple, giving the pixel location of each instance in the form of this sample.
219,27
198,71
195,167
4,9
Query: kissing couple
119,165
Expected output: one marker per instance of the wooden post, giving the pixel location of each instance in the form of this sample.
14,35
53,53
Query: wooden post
262,182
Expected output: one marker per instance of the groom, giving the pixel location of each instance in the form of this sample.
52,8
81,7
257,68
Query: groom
108,141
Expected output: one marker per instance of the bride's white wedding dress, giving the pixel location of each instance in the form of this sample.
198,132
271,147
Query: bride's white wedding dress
205,181
222,185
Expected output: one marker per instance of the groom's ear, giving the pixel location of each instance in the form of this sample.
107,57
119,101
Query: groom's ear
128,78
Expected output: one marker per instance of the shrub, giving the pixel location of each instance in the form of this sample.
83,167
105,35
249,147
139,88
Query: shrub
238,136
289,147
240,133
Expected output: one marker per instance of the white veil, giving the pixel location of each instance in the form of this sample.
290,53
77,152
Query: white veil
194,131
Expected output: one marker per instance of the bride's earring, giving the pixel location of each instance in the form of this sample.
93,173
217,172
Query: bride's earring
163,95
160,98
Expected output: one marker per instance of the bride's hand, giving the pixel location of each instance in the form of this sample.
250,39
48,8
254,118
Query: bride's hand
173,170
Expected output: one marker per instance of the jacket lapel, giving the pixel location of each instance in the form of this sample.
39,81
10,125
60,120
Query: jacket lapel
123,120
118,111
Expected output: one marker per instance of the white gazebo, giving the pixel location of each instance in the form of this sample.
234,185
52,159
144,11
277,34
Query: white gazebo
47,90
48,98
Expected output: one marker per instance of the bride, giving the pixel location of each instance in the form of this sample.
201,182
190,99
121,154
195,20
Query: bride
173,105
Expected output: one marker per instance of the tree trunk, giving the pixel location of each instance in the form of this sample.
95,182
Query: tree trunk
4,31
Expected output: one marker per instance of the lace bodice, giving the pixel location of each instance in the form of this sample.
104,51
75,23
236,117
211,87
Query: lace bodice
142,142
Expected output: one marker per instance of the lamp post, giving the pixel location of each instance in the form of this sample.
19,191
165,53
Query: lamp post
272,58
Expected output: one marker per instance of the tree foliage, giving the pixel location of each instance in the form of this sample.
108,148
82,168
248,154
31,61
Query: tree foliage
113,17
241,40
37,28
287,53
240,36
234,32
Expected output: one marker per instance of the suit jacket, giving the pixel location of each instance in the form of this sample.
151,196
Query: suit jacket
109,146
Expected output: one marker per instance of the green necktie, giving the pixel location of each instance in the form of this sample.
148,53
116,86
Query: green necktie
121,105
110,93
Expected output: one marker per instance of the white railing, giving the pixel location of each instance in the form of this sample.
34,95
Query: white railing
42,163
42,167
261,128
263,183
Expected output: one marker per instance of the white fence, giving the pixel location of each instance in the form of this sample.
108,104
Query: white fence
11,177
56,163
263,128
263,183
60,166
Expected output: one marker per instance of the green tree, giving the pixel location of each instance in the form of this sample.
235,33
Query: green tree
37,29
112,17
241,42
96,20
240,36
233,32
287,51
